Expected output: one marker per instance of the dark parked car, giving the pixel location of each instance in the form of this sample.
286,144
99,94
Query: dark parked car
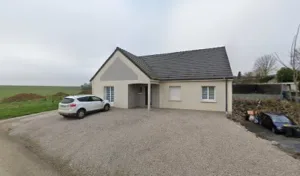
275,122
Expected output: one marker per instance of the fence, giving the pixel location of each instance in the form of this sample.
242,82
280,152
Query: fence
270,89
256,96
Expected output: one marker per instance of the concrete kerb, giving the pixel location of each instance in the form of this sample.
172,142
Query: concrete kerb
24,117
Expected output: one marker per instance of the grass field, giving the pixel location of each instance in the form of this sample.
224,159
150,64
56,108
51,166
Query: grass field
15,109
7,91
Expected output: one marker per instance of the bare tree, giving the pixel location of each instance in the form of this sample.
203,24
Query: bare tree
248,77
294,61
248,74
265,65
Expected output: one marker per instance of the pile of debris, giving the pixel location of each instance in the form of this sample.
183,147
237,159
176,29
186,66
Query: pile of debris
60,94
22,97
240,108
85,92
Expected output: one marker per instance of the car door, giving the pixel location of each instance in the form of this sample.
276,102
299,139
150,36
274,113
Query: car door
269,122
85,102
262,119
91,104
97,103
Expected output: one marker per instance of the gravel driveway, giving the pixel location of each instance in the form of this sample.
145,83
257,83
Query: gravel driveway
160,142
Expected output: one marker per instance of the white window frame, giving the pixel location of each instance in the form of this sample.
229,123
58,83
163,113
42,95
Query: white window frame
110,93
173,98
206,99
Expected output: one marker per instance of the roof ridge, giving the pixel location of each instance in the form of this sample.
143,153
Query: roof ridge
140,58
182,51
216,66
126,51
147,64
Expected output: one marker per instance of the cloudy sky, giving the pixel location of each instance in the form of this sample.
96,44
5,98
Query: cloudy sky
64,42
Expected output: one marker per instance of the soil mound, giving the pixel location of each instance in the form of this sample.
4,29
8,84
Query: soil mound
22,97
85,92
60,94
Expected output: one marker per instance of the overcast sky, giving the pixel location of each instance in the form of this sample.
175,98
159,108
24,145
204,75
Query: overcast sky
64,42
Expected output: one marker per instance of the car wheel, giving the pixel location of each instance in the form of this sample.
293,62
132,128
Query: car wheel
287,134
80,113
106,107
274,130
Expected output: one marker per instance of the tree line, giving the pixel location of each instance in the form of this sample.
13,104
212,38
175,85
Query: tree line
265,65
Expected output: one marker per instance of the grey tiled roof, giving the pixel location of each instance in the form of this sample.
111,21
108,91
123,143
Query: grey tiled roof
199,64
139,62
209,63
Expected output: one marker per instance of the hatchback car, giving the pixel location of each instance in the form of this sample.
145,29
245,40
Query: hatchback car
80,105
275,122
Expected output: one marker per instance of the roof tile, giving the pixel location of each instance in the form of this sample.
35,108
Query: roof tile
209,63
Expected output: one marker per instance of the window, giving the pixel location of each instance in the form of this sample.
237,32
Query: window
174,93
96,99
280,119
67,100
208,93
109,94
84,99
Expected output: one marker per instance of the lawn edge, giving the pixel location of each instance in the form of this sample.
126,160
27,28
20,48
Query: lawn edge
25,116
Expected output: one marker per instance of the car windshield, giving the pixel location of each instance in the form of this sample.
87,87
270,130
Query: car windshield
67,100
280,119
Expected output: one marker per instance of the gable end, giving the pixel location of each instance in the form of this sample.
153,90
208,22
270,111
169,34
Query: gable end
120,50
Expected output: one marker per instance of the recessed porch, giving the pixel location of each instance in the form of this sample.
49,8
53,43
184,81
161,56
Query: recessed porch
138,95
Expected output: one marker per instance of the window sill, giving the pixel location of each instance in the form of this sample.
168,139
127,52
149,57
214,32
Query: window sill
208,101
174,100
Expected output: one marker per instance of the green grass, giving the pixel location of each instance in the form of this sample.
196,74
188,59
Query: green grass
7,91
15,109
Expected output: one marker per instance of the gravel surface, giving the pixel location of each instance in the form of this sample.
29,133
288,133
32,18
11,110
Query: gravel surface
16,160
159,142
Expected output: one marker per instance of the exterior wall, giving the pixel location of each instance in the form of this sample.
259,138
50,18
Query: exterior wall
155,95
118,66
132,96
120,86
191,95
292,86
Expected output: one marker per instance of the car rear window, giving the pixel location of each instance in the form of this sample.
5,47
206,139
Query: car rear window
67,100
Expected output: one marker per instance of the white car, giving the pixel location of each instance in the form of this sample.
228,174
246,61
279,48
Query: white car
80,105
